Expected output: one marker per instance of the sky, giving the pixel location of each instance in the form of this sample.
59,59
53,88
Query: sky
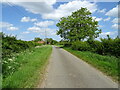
28,20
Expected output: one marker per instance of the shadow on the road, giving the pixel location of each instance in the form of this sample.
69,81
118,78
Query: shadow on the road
58,47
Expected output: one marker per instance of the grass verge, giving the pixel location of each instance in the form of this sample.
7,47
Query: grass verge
106,64
31,70
61,46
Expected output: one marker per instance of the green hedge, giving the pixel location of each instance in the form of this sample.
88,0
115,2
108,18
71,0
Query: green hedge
79,45
103,47
111,46
11,45
96,46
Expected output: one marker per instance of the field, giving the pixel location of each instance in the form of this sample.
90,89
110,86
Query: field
32,65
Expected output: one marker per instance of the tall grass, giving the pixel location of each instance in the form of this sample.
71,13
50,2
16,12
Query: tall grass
107,64
31,69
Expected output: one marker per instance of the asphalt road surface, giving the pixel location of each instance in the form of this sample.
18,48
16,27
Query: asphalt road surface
67,71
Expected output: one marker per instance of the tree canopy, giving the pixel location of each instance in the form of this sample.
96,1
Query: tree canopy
78,26
37,39
50,41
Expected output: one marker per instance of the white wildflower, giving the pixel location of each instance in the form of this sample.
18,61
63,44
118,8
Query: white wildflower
13,57
10,59
9,67
5,61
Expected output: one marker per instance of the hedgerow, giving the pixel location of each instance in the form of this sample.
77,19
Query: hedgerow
111,46
79,45
11,48
106,46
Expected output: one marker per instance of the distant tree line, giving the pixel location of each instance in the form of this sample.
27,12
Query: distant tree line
46,40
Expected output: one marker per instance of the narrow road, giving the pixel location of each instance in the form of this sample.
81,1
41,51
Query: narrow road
67,71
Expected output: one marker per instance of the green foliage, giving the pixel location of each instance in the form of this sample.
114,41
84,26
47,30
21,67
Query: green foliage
50,41
78,26
11,47
32,65
37,39
96,46
111,46
104,47
67,44
64,43
79,45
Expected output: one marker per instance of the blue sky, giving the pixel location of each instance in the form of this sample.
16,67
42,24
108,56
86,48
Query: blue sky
28,20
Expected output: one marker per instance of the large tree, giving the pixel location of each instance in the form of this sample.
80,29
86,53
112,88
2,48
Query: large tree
78,26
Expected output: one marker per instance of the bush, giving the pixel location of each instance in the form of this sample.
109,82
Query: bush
67,44
79,45
106,46
11,45
96,46
111,46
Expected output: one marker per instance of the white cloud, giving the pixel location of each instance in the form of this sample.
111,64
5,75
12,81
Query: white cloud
102,11
45,8
8,26
42,31
115,26
116,20
28,19
44,23
26,32
113,12
25,19
5,25
97,19
107,33
34,29
33,20
112,34
67,8
12,28
107,19
42,7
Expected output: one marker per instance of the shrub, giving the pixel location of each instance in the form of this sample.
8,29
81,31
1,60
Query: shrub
67,44
11,45
96,46
79,45
106,46
111,46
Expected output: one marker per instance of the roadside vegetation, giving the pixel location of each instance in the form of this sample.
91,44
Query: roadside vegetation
107,64
79,31
10,45
11,48
31,69
106,46
23,62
